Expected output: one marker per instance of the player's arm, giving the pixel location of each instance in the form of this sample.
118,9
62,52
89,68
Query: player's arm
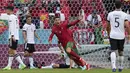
24,34
50,37
100,21
127,28
75,22
35,34
108,27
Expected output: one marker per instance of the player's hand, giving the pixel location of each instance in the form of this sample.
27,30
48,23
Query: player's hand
50,42
40,40
80,17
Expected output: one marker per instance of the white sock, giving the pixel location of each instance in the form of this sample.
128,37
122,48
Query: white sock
121,60
10,61
31,61
23,58
113,59
19,60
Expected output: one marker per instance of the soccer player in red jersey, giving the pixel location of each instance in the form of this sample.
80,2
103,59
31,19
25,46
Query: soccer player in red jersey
60,29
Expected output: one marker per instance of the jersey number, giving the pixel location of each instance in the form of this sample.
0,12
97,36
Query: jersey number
117,21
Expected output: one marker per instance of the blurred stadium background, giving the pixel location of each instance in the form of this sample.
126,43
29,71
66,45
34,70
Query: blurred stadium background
93,41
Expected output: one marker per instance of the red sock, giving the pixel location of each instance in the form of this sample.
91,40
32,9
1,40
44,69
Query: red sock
74,59
77,58
72,53
77,62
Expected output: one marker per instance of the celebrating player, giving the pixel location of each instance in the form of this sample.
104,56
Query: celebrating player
67,41
13,38
117,21
29,31
68,62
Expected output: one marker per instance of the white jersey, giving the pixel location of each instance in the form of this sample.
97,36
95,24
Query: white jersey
13,26
30,29
117,19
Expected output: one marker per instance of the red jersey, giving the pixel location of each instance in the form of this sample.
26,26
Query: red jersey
62,33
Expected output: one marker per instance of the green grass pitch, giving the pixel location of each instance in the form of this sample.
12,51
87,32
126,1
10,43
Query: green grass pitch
62,71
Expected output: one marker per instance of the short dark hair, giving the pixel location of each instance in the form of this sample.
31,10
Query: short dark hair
57,15
118,4
10,8
28,16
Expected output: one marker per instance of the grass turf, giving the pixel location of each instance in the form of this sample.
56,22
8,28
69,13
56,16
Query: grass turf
62,71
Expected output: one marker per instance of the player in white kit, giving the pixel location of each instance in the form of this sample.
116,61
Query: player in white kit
29,33
13,38
117,21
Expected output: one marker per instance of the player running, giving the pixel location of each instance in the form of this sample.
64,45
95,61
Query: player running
13,38
61,31
117,21
29,32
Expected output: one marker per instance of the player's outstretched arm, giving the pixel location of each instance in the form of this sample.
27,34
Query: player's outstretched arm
128,29
76,21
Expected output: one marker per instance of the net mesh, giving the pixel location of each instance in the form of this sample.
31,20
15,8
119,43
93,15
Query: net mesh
43,12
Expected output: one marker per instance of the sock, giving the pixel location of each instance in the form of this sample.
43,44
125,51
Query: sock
10,61
121,60
23,58
113,59
31,61
77,58
19,60
79,62
72,53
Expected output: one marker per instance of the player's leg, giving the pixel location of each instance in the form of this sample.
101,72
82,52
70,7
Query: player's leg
120,52
74,54
114,47
12,54
10,59
31,61
61,66
87,65
30,50
18,58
